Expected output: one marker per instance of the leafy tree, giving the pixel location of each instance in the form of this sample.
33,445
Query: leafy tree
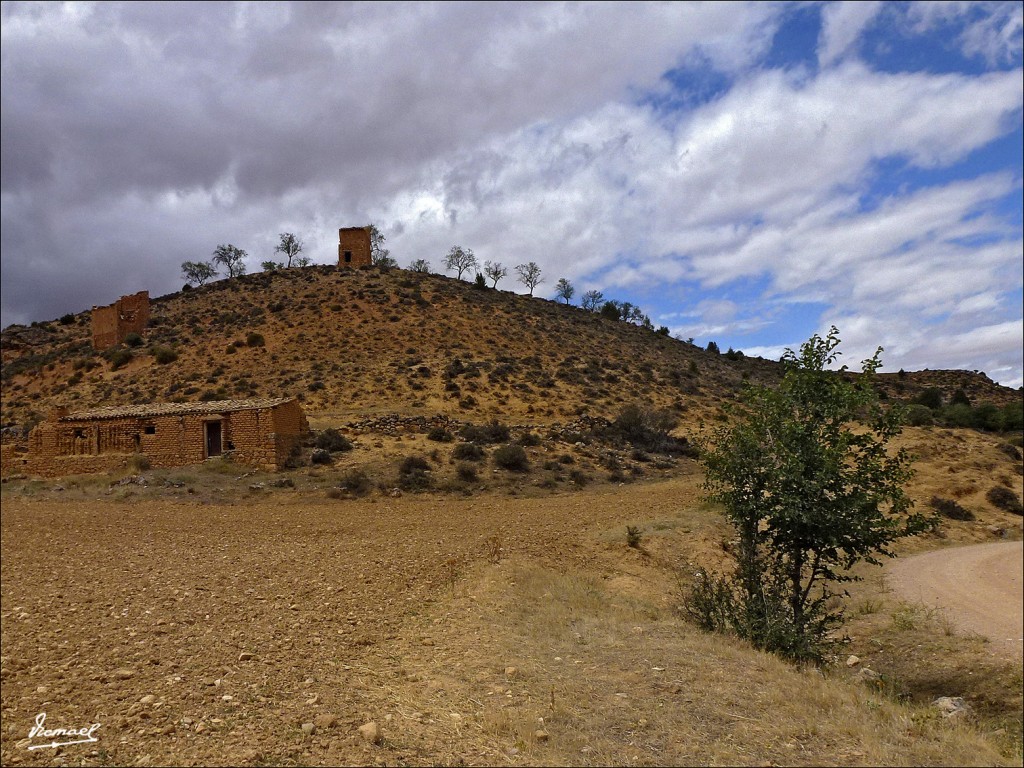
271,266
379,255
930,397
494,272
564,289
198,272
303,261
713,348
480,282
420,265
529,275
460,260
231,258
809,496
290,246
592,300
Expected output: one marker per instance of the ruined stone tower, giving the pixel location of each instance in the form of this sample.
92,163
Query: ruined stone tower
354,247
110,325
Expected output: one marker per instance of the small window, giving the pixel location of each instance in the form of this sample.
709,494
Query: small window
79,433
348,257
149,429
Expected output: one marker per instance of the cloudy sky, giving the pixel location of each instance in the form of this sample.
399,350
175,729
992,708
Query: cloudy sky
746,173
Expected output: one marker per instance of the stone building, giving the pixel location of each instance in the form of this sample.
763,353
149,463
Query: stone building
354,247
111,325
260,433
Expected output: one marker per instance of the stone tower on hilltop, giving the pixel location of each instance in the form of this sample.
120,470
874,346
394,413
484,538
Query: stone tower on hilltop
354,247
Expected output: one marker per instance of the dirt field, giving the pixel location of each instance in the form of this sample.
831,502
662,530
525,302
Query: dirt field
493,630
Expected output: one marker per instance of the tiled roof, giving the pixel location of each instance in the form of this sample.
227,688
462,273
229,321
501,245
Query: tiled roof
173,409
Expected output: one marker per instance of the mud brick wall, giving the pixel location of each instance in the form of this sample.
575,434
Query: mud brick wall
13,459
262,437
354,241
111,325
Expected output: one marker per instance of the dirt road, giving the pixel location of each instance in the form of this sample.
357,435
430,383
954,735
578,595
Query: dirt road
980,588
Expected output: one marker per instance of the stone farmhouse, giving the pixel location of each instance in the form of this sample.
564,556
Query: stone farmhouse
111,325
258,432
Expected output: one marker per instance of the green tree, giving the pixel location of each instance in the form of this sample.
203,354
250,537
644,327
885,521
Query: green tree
420,265
564,289
809,495
592,301
198,272
231,258
290,246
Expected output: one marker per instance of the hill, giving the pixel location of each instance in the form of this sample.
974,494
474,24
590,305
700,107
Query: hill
356,343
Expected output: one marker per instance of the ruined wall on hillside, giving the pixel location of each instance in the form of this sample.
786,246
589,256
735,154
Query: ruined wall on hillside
354,247
111,325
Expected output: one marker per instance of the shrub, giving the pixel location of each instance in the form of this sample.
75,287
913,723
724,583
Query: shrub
67,319
1010,450
633,536
529,439
468,452
466,472
495,432
120,358
414,474
355,482
440,435
332,440
949,508
320,456
254,339
512,457
919,415
164,355
1005,499
929,398
133,340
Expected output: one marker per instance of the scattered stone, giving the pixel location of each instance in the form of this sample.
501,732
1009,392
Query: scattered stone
540,735
427,641
245,656
510,671
308,729
371,732
952,707
123,674
395,493
996,530
867,675
324,721
853,661
41,689
149,698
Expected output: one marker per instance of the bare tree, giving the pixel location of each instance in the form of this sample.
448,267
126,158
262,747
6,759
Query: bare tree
592,301
198,272
379,255
460,260
564,289
494,272
290,246
420,265
529,275
231,258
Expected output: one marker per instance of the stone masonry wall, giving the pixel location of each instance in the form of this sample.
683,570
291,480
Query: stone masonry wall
356,242
111,325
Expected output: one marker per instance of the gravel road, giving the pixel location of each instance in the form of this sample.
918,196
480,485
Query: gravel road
980,587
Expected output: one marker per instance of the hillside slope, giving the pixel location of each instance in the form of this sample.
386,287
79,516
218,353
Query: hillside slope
360,342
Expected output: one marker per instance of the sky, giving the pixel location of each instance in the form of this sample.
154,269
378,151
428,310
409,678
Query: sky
750,174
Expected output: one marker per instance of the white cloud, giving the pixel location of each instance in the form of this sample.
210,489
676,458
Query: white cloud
841,25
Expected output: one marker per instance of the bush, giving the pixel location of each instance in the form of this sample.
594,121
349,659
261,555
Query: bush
254,340
919,416
133,340
512,457
495,432
440,435
320,456
1005,499
466,472
468,452
120,358
949,508
528,439
164,355
67,319
332,440
355,482
633,536
929,398
414,474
